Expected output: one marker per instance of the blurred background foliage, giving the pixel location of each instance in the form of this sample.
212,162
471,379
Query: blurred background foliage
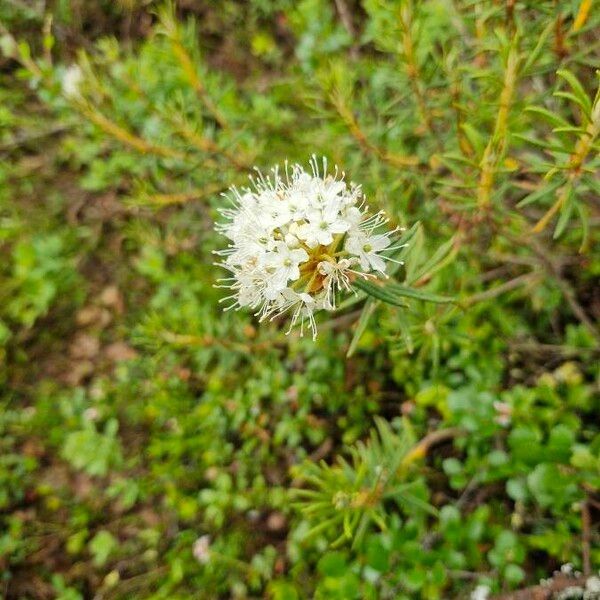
155,447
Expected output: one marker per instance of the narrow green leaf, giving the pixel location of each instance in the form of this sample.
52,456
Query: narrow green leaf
593,183
534,54
379,292
417,244
475,138
408,292
405,332
541,143
573,98
582,98
569,129
444,254
565,214
548,116
405,244
363,321
539,194
585,225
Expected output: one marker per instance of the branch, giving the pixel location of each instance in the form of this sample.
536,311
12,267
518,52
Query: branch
352,124
126,137
497,143
434,438
582,15
507,286
544,591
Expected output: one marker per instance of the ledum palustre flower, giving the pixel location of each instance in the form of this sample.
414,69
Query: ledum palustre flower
298,240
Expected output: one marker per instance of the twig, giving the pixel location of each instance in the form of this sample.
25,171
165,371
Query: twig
206,341
199,141
582,14
564,286
346,18
207,145
182,197
560,48
471,486
24,139
584,145
431,439
352,124
189,69
577,309
497,143
545,591
126,137
535,347
15,53
501,289
412,67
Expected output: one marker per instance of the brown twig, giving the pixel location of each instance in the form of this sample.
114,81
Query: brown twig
191,73
544,591
434,438
567,291
507,286
207,341
182,197
24,139
205,144
347,22
412,67
538,348
560,48
369,147
584,146
126,137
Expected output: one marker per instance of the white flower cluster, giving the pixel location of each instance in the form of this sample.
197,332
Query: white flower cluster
297,239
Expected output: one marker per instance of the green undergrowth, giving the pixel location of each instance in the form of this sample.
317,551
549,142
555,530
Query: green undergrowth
154,446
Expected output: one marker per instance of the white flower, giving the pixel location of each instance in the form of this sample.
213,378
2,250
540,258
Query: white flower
367,248
297,240
201,549
71,81
337,278
285,261
481,592
322,224
592,586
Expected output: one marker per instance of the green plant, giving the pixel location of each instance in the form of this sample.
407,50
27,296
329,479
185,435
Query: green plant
442,431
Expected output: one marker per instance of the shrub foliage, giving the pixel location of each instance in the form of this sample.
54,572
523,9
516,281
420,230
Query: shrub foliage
153,446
